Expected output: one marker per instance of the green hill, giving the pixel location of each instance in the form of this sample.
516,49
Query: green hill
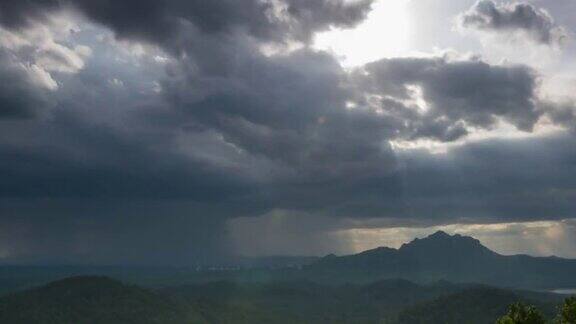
479,305
92,300
100,300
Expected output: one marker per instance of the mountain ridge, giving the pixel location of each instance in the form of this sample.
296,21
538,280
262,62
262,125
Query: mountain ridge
458,258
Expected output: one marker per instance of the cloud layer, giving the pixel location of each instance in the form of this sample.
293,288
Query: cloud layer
150,125
523,18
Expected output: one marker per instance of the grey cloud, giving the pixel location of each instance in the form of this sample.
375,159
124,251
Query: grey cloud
80,192
160,21
289,109
561,113
286,233
318,15
17,14
536,23
236,133
112,176
490,181
468,93
495,180
265,132
23,91
104,232
27,67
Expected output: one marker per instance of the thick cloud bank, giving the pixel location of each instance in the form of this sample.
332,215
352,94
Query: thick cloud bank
134,131
273,20
457,94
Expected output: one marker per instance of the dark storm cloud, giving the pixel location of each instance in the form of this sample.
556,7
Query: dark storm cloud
112,232
489,181
457,93
23,91
562,113
160,21
291,110
317,15
485,182
103,177
536,23
494,180
17,14
113,167
339,160
85,192
140,164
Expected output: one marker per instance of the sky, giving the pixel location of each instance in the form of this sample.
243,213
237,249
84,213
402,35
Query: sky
182,131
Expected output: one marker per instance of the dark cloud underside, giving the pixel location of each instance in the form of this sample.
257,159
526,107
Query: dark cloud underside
125,159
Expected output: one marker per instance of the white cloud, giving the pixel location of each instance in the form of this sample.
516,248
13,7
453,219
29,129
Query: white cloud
40,77
42,49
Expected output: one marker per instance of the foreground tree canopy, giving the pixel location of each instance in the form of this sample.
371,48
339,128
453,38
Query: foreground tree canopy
520,313
568,312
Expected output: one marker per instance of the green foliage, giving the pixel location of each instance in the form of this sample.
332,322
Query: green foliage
92,300
568,312
520,313
471,306
101,300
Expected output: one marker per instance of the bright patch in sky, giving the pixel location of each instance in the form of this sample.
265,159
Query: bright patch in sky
542,238
385,33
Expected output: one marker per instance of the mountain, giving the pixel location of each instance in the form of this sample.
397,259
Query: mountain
454,258
93,300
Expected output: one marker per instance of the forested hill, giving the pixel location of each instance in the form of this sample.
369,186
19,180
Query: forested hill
92,300
100,300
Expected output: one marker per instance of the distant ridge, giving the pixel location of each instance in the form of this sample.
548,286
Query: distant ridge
456,258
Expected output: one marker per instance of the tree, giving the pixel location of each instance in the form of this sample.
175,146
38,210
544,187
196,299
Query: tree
568,312
520,313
